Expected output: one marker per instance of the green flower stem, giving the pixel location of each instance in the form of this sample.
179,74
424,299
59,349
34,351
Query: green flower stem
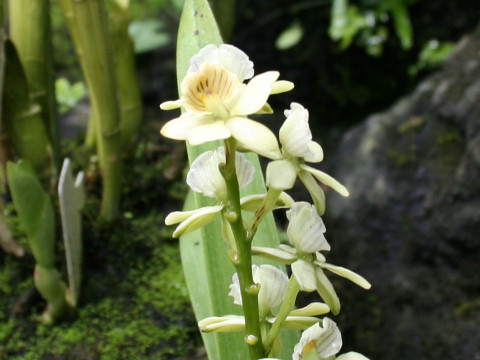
95,45
267,205
243,259
287,306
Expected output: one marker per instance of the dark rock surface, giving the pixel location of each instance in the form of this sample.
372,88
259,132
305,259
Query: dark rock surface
412,222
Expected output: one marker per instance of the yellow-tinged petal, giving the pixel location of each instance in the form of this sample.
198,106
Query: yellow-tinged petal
327,180
177,128
281,86
200,218
171,105
281,175
254,136
210,132
312,309
227,323
253,202
255,94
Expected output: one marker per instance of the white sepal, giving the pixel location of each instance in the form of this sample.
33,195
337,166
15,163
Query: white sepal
305,275
253,202
281,175
326,291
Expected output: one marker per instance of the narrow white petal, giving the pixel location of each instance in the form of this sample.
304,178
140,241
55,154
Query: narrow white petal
299,322
210,132
254,136
327,180
281,175
235,291
274,254
312,309
227,323
255,94
171,105
347,274
253,202
326,291
316,192
281,86
202,217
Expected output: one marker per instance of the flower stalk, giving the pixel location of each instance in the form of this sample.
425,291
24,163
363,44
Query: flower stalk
243,264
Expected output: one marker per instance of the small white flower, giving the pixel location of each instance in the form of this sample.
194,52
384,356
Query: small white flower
204,175
273,285
217,102
324,341
305,228
298,148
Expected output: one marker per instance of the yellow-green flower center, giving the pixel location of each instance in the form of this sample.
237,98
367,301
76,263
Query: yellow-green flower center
211,90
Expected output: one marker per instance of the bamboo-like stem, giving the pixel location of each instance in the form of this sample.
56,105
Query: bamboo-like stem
131,110
22,119
67,10
243,259
30,32
90,21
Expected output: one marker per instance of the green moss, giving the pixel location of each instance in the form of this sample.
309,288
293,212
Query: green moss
449,138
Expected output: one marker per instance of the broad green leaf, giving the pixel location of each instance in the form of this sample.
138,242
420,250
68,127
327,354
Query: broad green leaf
207,268
34,210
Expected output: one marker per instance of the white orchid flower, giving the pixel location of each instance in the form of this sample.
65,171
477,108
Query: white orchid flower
204,177
217,101
273,285
305,228
298,148
319,342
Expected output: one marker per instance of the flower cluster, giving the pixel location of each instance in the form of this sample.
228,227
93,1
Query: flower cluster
217,101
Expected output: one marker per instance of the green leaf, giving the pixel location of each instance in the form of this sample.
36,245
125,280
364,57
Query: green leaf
290,37
34,210
403,26
207,267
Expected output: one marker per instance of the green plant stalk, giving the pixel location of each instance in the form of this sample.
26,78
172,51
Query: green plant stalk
21,119
243,261
287,306
94,44
67,11
131,109
30,32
